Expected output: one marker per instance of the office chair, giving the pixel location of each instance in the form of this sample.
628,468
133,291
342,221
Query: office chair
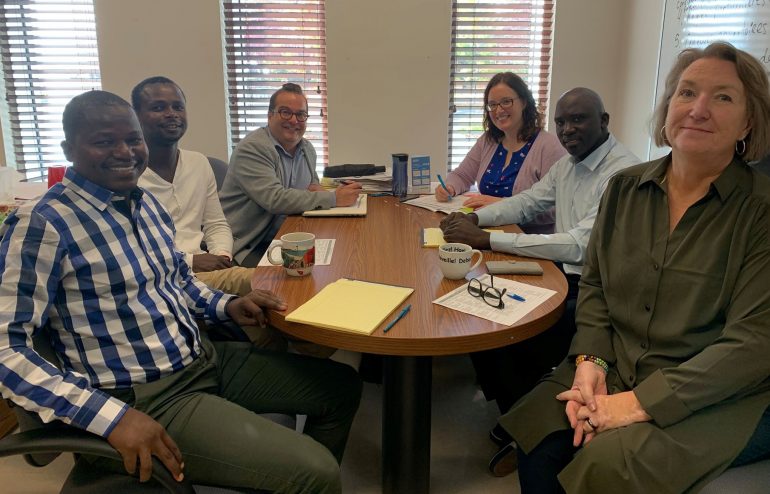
41,443
220,170
747,479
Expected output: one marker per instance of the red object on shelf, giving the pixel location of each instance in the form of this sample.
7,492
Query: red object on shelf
55,175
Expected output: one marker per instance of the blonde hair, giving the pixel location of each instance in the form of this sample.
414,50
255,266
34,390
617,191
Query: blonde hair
756,87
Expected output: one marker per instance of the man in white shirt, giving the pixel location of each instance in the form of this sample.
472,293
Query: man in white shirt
574,185
184,183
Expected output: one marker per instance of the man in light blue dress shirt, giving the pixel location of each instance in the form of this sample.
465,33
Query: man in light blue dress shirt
574,185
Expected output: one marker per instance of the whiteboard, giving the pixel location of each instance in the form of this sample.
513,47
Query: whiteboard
697,23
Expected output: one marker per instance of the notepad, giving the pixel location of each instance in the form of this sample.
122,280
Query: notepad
430,203
351,305
433,237
357,209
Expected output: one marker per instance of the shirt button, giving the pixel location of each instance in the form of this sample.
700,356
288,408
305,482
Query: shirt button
643,345
655,266
631,379
647,307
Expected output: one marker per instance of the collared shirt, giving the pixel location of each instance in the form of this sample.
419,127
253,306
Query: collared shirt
117,296
296,174
683,315
574,188
192,200
498,180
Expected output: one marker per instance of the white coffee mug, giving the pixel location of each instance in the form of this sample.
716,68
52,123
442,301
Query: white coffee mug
455,260
297,253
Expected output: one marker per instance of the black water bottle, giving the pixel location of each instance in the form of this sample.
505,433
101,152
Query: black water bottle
400,177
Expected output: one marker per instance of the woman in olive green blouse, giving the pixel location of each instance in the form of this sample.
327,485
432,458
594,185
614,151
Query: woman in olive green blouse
668,379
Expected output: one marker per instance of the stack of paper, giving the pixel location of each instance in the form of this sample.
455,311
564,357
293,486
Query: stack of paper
430,203
379,182
351,305
432,237
529,297
357,209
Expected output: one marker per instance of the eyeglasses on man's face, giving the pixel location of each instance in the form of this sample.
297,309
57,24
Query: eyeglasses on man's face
504,103
286,114
488,293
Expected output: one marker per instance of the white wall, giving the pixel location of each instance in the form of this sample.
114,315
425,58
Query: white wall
178,39
387,65
612,47
643,26
2,147
587,46
388,75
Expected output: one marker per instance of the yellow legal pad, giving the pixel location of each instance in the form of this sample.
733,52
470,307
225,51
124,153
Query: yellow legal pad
433,237
350,305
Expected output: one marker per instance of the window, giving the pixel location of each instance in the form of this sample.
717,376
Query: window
269,43
49,55
488,37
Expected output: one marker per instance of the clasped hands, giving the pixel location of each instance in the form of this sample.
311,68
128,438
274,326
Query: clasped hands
462,228
590,410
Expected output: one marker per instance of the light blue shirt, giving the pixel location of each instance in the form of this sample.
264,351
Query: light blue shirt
574,188
296,174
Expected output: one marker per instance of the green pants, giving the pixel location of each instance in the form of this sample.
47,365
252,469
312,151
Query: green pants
210,409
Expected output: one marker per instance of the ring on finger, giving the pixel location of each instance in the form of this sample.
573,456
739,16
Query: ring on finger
590,424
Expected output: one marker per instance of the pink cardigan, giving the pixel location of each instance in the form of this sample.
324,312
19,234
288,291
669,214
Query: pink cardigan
545,151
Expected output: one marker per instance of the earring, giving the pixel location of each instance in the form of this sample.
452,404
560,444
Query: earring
663,135
743,147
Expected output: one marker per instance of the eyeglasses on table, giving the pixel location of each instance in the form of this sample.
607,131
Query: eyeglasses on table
488,293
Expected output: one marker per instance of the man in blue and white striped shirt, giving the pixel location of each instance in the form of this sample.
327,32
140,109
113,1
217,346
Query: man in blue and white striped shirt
94,262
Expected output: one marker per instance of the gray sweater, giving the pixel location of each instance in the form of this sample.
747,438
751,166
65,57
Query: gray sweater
254,199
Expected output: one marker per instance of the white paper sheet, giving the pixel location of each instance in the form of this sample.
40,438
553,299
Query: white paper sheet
431,204
26,191
460,300
324,249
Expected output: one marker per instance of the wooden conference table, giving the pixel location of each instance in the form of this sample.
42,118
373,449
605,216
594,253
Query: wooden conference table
385,246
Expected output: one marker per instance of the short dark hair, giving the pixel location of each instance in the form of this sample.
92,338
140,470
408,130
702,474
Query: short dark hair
136,93
79,108
289,87
531,117
755,84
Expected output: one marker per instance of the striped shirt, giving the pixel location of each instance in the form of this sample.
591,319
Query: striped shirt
118,297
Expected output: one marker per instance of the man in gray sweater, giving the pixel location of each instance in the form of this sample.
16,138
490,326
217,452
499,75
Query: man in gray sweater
272,174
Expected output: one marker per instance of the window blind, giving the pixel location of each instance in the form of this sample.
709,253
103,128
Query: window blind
269,43
488,37
49,55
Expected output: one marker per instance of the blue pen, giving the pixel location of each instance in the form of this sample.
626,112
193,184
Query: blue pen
516,297
398,318
441,181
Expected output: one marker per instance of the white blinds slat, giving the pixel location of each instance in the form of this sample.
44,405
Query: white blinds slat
269,43
49,55
490,37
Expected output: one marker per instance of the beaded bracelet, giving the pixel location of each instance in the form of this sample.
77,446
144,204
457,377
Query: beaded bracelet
594,359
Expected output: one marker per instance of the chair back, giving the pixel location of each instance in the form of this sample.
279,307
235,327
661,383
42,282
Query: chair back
220,170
